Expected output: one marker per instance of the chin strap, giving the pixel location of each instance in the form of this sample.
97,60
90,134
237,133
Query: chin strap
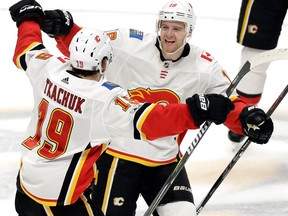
185,41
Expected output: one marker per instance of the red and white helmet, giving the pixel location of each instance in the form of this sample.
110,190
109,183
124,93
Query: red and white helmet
178,11
88,48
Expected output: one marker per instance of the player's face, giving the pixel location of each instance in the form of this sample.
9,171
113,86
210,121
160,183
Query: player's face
172,35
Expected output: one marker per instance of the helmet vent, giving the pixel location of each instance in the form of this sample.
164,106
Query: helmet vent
90,46
180,14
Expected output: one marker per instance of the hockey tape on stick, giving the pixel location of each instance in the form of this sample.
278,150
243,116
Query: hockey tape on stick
273,55
238,155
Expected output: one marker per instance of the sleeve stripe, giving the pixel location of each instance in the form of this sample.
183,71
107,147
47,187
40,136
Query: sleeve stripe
139,119
20,61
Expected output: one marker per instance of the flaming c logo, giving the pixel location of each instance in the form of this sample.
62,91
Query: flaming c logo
164,96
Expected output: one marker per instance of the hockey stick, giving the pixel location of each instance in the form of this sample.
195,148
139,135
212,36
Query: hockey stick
273,55
238,155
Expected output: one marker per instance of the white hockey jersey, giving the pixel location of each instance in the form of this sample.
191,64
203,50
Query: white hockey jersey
139,67
74,119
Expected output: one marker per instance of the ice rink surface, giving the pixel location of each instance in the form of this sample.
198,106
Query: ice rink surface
258,183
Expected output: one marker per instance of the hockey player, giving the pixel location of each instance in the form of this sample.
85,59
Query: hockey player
259,28
162,68
76,114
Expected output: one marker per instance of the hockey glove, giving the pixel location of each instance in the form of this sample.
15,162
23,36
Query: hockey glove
57,23
209,107
27,10
255,124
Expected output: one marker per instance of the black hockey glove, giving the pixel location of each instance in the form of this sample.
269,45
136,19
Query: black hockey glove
57,23
209,107
27,10
255,124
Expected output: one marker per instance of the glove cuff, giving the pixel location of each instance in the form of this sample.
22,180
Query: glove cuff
198,106
248,116
32,16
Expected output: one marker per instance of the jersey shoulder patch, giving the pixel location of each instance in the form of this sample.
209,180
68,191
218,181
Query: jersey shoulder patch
207,56
112,34
110,85
44,56
133,33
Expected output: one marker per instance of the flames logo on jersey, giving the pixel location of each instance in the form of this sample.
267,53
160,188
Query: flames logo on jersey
163,96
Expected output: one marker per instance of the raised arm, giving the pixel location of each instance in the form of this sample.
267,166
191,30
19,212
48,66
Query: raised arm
29,17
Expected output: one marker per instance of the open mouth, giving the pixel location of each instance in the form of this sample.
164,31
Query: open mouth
169,41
